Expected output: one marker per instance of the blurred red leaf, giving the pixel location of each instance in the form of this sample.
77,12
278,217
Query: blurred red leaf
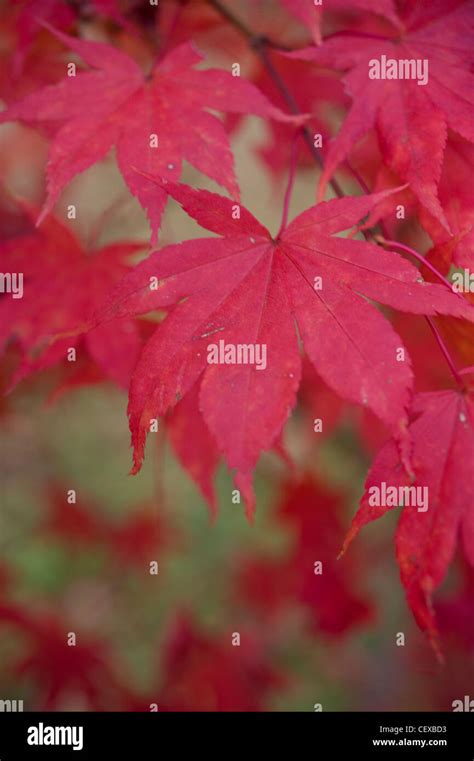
331,592
62,285
208,673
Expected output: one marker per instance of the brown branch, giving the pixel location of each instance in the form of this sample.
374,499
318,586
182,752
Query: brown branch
232,19
260,45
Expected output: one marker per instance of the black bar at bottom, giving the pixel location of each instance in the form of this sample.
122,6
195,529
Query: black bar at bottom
153,735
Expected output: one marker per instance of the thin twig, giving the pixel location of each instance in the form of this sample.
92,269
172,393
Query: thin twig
259,44
456,374
424,262
419,258
291,181
236,22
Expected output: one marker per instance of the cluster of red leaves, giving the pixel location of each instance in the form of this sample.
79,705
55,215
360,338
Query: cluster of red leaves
57,670
205,671
51,259
131,542
157,109
195,670
198,671
329,591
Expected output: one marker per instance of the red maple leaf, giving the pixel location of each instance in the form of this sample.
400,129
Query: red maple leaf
455,613
456,197
327,411
319,401
76,525
411,119
142,535
331,595
133,541
155,121
60,671
206,673
62,286
442,429
248,288
30,14
194,446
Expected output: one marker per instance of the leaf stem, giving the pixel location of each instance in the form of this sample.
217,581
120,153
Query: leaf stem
245,30
420,258
291,182
236,22
362,35
456,374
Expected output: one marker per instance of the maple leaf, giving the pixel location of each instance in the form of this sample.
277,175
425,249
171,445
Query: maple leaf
202,672
454,194
456,613
155,122
458,334
442,429
319,401
57,669
77,525
456,198
324,406
247,288
411,119
310,13
63,284
366,163
29,13
332,599
82,525
137,539
35,14
194,446
335,602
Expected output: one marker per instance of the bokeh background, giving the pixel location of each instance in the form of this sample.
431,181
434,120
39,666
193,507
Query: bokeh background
168,640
